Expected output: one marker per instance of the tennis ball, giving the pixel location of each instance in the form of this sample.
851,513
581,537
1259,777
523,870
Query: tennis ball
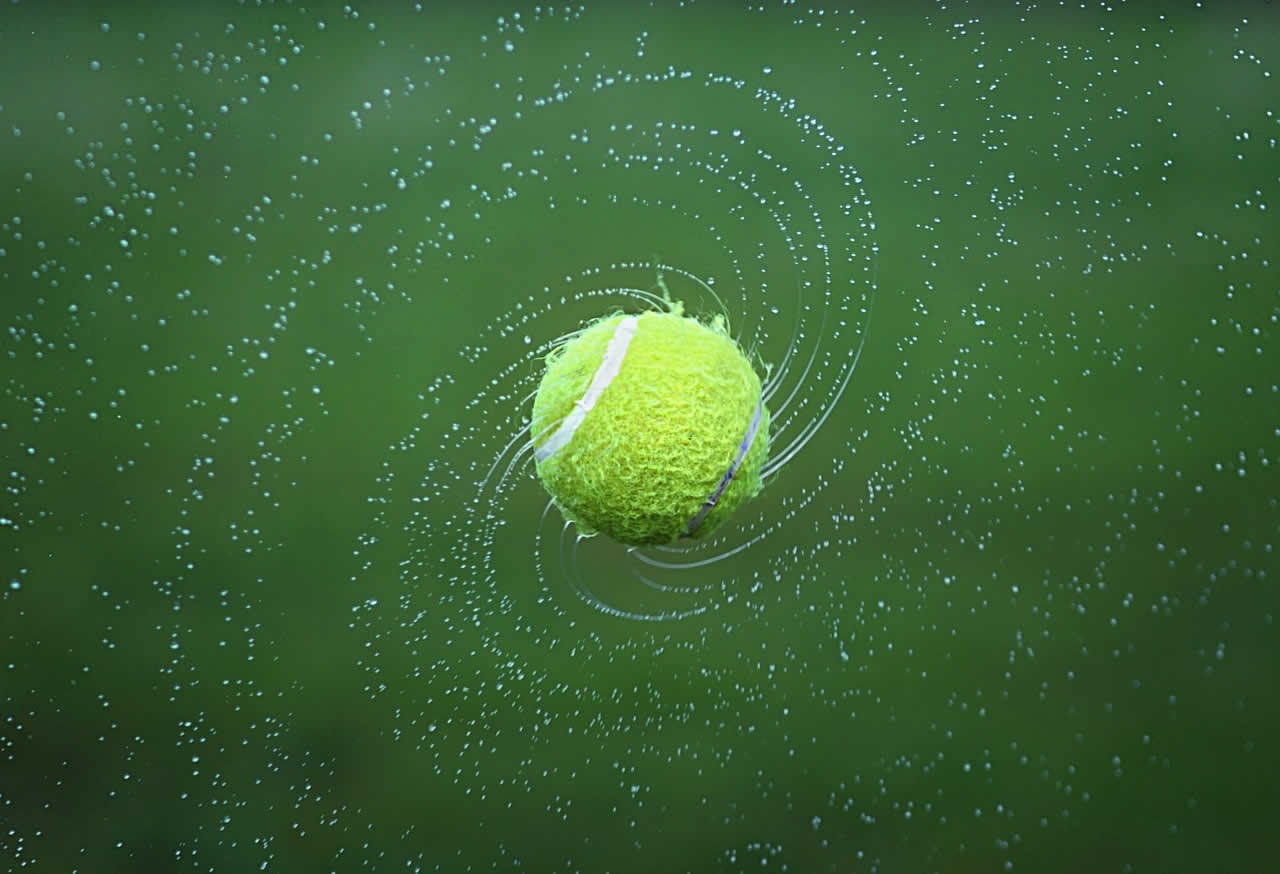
650,428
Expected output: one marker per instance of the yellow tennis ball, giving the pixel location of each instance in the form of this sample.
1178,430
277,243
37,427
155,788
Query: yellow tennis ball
650,428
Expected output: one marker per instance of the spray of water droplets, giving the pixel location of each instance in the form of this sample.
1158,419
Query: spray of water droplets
672,172
279,284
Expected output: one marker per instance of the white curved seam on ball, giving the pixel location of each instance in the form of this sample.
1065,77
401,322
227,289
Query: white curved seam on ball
743,448
610,364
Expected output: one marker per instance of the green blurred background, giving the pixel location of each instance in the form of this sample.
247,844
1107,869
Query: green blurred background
277,280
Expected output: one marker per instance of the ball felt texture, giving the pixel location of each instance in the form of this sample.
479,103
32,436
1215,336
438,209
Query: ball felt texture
650,428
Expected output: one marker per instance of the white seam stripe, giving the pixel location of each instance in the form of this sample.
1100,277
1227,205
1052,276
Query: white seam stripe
610,364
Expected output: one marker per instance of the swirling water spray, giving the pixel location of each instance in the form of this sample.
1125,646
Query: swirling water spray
756,211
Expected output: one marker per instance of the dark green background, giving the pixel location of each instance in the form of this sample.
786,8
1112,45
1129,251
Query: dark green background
1011,608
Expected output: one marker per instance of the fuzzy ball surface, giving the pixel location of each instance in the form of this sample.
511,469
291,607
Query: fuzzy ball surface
650,428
